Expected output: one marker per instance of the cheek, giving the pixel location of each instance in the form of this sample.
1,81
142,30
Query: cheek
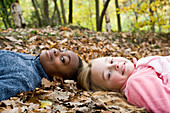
130,68
117,82
56,63
116,78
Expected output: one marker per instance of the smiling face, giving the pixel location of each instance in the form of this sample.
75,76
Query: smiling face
59,62
111,72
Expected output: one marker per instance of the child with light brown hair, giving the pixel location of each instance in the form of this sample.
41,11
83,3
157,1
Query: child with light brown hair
145,83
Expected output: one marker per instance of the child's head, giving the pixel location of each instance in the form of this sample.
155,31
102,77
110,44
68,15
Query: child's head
62,63
105,73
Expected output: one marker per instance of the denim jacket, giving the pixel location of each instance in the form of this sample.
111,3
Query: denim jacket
19,72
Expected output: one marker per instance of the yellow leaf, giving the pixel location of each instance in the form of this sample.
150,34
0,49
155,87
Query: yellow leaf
166,27
45,103
117,9
144,6
125,8
118,12
153,8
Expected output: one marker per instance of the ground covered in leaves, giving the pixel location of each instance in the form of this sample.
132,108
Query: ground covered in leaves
64,96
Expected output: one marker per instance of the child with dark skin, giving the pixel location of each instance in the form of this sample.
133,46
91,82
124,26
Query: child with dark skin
23,72
60,63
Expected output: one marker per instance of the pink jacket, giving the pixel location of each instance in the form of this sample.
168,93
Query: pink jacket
149,85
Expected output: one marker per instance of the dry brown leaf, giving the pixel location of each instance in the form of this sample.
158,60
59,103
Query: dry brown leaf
46,83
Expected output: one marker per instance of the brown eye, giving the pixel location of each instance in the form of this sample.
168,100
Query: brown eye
62,59
59,50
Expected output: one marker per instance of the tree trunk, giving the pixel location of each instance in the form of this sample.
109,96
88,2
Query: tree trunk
46,12
17,15
70,11
37,13
107,18
63,11
158,21
58,12
97,14
5,15
153,23
118,16
102,15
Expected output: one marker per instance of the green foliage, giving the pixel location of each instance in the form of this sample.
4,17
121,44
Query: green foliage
135,14
144,17
33,32
5,13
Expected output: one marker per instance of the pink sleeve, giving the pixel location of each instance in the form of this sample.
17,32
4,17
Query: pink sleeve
145,89
161,65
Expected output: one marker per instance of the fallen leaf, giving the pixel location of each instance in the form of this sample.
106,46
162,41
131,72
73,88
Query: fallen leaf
46,83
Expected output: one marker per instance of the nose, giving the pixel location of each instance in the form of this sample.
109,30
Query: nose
62,50
115,66
56,52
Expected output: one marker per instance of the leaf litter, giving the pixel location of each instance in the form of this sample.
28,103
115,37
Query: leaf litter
64,96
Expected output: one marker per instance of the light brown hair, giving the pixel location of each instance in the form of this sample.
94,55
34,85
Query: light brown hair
84,79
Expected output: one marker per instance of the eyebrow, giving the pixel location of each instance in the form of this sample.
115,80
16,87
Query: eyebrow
103,71
103,75
69,59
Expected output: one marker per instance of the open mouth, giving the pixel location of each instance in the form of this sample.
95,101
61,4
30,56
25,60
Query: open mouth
49,54
123,69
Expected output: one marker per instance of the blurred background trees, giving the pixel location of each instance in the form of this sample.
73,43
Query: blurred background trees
5,13
120,15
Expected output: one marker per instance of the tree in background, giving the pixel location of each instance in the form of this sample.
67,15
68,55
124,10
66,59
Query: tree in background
37,13
135,14
118,16
70,11
63,11
46,16
5,12
17,15
41,12
151,15
54,16
107,18
135,10
46,12
99,19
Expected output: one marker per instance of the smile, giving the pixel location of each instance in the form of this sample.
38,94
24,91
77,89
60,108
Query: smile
123,69
49,54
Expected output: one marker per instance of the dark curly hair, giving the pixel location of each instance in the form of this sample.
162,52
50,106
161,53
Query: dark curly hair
74,73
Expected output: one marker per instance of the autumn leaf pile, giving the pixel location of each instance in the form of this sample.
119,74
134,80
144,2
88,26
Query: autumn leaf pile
58,96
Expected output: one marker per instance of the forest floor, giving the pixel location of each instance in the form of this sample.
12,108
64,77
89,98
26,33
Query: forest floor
65,96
